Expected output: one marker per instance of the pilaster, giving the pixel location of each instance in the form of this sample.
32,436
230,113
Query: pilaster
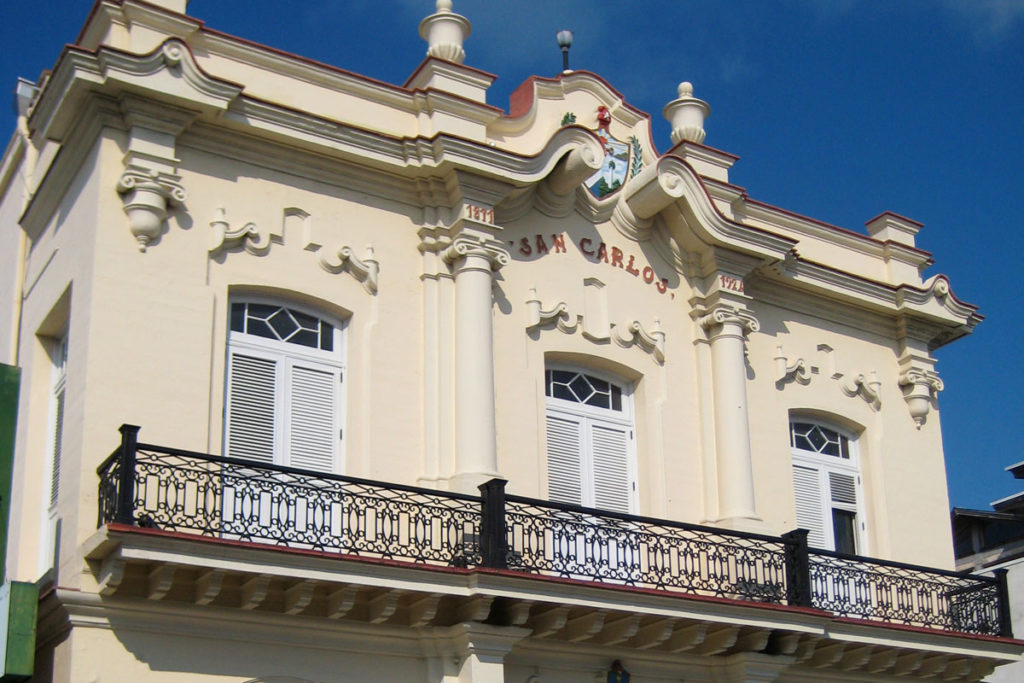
724,319
474,255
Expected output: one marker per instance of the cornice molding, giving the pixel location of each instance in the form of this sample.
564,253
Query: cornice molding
98,113
934,307
833,234
168,73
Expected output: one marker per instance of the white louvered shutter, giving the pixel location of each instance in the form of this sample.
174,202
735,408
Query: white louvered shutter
809,514
58,447
843,489
609,446
252,407
565,446
312,409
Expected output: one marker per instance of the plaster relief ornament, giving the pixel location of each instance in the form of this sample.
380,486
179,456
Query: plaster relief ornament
612,174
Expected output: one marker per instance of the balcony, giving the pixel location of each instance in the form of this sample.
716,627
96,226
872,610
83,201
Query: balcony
189,527
186,493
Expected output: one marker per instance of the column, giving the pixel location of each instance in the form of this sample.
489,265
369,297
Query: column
474,258
727,326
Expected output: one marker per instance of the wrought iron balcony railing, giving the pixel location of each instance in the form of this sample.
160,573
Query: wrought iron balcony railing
174,490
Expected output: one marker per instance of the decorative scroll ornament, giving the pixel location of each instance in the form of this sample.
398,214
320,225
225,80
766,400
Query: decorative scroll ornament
724,314
477,245
920,389
651,340
147,195
365,269
223,236
867,386
798,371
257,242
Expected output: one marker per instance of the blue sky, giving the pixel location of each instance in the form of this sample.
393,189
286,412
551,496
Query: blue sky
839,109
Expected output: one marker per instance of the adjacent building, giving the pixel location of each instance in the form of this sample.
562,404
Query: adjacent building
992,541
329,379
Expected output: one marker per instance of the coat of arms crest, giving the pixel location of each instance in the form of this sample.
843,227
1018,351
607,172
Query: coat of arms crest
612,173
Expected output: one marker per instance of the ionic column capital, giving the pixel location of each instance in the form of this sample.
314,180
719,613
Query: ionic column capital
463,247
722,315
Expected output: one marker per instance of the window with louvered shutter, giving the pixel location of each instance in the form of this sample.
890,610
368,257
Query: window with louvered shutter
826,482
311,424
284,395
809,512
252,407
589,441
58,447
565,450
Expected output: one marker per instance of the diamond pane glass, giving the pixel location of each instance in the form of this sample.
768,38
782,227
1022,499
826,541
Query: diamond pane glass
581,388
283,324
817,439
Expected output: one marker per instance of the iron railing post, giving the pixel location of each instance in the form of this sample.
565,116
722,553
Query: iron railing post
1003,592
493,537
125,511
798,569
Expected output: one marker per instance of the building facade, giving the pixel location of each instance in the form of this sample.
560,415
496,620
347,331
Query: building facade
430,391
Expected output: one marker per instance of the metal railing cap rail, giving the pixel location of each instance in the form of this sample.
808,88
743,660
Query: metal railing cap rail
284,469
626,517
902,565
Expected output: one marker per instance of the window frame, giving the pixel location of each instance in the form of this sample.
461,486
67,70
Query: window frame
590,416
824,465
286,355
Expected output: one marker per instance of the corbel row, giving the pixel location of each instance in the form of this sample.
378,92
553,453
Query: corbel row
920,386
651,340
257,241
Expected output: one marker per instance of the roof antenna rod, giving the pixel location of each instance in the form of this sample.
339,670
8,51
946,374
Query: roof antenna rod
565,42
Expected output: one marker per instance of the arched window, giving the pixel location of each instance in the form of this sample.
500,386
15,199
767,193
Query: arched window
590,440
826,482
284,387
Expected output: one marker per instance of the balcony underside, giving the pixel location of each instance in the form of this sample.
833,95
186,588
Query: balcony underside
132,565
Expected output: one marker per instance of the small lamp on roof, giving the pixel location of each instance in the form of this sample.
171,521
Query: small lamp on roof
565,42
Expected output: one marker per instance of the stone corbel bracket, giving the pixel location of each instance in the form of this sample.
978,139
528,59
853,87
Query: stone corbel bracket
223,236
652,342
537,316
920,390
798,371
147,196
365,269
866,386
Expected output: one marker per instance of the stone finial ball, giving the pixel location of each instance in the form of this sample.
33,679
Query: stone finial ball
685,89
443,5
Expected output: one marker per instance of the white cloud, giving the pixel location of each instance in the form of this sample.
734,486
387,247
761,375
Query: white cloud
988,18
